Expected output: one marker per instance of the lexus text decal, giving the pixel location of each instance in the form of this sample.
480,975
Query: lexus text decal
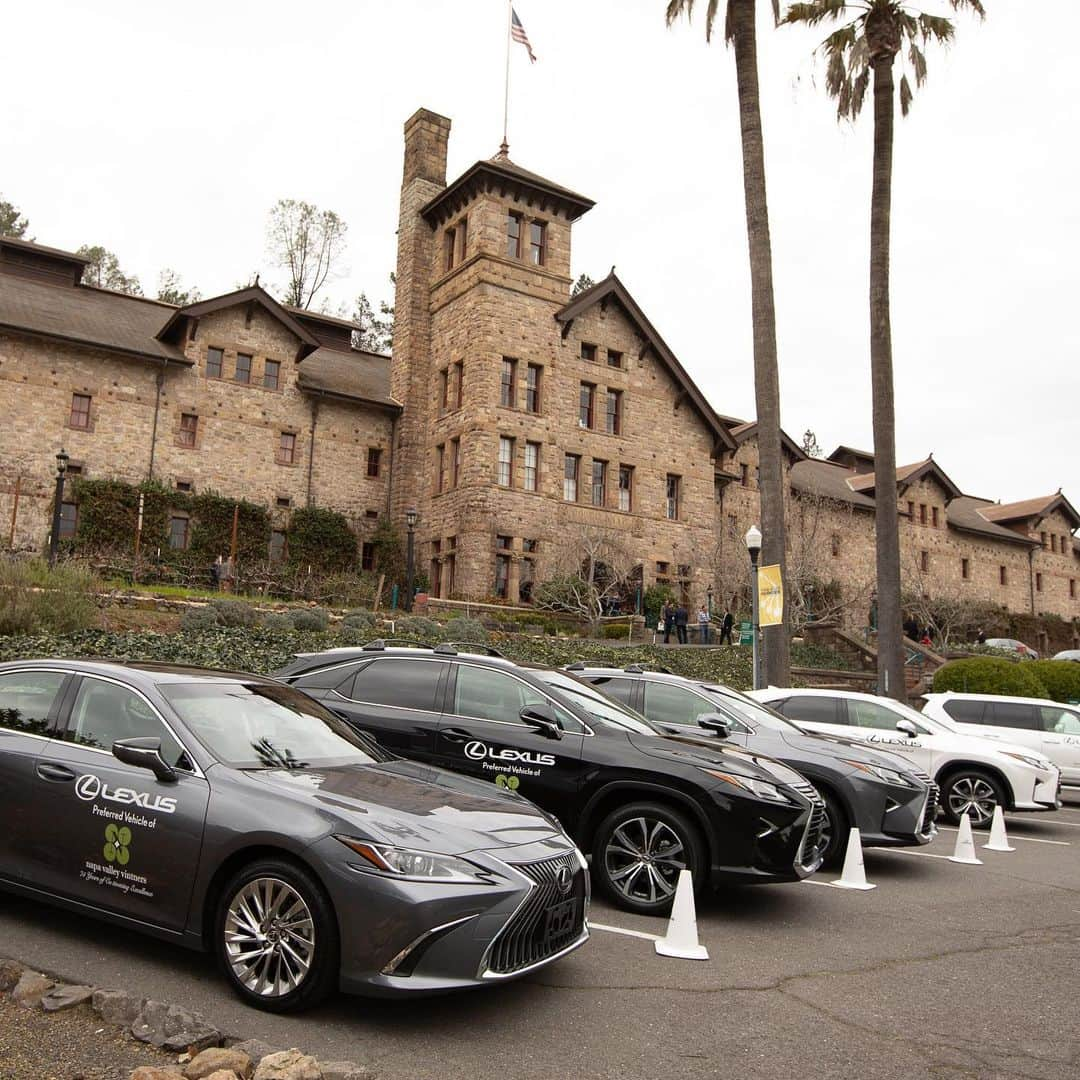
506,759
89,788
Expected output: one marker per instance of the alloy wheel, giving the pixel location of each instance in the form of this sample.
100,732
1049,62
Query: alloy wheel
643,857
269,937
973,796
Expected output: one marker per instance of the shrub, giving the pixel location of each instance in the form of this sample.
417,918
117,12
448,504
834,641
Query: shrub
1060,677
465,629
310,619
614,631
235,613
200,618
418,626
277,622
35,599
362,621
987,675
322,538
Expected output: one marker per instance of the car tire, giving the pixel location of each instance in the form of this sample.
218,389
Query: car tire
638,852
838,829
276,936
974,792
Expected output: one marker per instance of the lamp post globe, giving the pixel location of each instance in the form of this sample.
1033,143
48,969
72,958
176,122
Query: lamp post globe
753,545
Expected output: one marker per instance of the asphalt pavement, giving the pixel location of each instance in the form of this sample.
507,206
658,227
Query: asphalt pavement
941,971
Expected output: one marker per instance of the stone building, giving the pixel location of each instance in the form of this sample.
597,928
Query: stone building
527,427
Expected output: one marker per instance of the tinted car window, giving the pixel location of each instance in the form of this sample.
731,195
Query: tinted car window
1010,714
26,698
486,694
620,689
667,704
328,678
966,712
600,709
106,712
1058,720
869,714
408,684
261,725
810,710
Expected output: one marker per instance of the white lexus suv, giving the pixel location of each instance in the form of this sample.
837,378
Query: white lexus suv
975,774
1045,727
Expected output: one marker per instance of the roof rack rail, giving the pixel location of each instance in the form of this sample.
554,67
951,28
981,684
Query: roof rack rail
378,644
476,646
639,669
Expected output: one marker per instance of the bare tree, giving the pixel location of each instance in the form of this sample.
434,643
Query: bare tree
949,610
171,289
308,243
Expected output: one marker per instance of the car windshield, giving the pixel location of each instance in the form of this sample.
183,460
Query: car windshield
601,709
265,726
754,712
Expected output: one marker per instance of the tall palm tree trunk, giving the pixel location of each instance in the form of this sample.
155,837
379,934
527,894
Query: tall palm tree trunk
742,28
890,645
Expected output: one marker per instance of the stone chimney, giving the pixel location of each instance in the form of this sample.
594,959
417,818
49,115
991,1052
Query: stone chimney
424,175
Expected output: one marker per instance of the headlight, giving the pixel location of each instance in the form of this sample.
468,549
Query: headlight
760,788
1034,762
419,865
886,776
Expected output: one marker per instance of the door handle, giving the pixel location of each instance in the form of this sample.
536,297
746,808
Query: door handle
47,771
456,735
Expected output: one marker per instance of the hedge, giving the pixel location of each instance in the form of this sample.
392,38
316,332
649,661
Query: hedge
1060,677
987,675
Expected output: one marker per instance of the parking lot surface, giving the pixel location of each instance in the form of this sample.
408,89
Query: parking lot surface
941,971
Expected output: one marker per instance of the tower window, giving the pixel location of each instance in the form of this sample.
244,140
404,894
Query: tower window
532,466
626,488
537,243
585,405
243,368
214,358
673,497
571,465
508,383
599,483
614,412
532,388
513,235
506,461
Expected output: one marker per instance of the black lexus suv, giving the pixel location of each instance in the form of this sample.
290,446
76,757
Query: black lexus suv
645,804
891,803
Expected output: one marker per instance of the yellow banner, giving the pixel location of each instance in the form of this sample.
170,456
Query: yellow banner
770,596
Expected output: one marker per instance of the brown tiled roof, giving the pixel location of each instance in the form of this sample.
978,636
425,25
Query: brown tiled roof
501,172
1032,508
908,474
742,431
612,286
87,316
828,481
356,376
968,514
34,246
850,451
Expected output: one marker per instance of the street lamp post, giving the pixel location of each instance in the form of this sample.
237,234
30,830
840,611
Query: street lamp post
753,545
410,566
58,500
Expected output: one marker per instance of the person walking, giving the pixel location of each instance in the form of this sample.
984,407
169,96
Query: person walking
667,614
725,627
682,617
703,620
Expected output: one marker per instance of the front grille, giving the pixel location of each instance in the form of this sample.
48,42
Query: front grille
926,826
525,939
810,853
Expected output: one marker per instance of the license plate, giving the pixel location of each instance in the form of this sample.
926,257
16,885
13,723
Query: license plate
560,919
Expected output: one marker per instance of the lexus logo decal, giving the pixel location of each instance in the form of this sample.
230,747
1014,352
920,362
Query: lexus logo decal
88,787
479,751
564,879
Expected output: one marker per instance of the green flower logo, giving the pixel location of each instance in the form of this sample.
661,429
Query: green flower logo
511,783
117,842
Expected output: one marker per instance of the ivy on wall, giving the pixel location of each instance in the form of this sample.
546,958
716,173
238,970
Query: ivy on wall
321,538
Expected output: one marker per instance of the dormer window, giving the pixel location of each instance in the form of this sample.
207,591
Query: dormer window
454,244
514,223
537,243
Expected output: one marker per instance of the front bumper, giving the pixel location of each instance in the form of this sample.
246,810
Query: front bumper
408,938
1045,793
894,815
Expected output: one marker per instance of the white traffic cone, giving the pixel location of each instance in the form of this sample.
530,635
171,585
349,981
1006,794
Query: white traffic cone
681,939
965,845
999,839
854,872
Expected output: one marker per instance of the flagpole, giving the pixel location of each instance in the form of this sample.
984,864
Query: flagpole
506,96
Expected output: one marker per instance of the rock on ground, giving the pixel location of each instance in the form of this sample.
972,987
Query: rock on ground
255,1049
288,1065
344,1070
117,1006
30,988
65,997
173,1028
205,1065
10,973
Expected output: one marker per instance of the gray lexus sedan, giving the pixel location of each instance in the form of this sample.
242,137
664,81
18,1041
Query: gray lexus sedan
230,813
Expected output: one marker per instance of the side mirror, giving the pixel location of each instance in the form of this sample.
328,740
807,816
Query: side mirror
144,754
542,719
716,723
908,728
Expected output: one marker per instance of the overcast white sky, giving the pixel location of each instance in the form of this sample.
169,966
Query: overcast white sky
165,133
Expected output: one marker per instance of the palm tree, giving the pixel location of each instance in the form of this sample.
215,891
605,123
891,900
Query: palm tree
740,31
869,44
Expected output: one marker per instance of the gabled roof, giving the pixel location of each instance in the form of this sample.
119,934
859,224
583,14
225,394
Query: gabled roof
254,294
1032,508
826,480
353,376
909,474
84,315
968,514
612,288
501,174
848,455
748,428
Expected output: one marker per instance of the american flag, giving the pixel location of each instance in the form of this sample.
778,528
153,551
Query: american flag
517,32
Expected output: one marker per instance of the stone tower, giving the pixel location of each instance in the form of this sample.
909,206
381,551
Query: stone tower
483,267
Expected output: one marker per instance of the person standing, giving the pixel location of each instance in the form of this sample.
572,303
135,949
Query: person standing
703,620
726,626
667,613
682,617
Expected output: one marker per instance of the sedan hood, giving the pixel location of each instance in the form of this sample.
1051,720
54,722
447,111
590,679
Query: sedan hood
843,749
413,805
706,753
